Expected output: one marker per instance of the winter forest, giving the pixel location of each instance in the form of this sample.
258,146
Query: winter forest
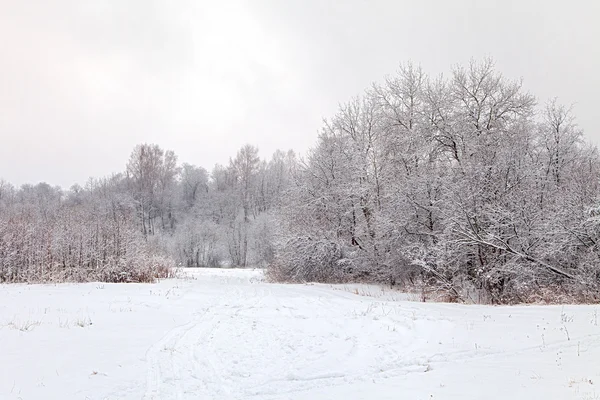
462,185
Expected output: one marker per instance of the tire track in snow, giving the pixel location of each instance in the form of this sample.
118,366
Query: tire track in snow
202,368
202,359
176,354
217,381
163,361
154,375
181,345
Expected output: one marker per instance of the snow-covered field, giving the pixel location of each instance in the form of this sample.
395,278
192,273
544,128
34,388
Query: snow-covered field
224,334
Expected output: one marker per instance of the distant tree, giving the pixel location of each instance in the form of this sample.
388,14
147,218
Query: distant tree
152,172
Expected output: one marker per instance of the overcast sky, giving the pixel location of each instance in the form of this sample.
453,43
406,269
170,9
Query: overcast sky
82,82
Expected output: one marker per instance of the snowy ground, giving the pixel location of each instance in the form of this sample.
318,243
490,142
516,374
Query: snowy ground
226,335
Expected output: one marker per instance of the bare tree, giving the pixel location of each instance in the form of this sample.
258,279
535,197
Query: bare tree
152,173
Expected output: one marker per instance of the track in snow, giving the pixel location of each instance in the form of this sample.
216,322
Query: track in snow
226,335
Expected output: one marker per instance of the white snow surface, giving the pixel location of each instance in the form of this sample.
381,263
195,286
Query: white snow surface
226,334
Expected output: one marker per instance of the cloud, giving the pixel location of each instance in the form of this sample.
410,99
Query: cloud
84,81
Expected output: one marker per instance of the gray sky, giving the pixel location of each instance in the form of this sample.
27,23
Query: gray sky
82,82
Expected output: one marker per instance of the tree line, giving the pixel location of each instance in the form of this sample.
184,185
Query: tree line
139,224
463,185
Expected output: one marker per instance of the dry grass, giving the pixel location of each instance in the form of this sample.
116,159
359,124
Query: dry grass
23,326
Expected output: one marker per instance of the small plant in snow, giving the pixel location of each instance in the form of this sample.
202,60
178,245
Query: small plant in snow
566,332
564,318
83,322
23,326
64,323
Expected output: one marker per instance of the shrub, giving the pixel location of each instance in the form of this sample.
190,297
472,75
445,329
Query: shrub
306,260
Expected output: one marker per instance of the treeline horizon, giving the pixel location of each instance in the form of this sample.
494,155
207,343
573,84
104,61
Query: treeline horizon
138,224
464,187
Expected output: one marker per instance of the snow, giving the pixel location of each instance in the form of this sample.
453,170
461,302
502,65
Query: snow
225,334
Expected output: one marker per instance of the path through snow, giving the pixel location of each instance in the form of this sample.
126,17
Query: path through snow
224,334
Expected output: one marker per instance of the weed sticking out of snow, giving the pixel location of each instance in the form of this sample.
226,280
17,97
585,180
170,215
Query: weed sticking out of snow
83,322
64,323
565,318
23,325
120,309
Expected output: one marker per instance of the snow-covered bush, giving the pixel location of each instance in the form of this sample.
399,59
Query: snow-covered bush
462,184
306,260
62,241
